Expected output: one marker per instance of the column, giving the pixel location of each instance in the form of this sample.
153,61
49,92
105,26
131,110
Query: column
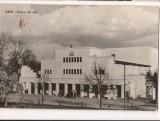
122,91
29,87
90,91
23,85
50,88
82,90
65,89
36,88
109,92
114,92
57,88
132,91
153,93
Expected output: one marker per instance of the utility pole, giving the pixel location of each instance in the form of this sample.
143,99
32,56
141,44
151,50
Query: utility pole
125,87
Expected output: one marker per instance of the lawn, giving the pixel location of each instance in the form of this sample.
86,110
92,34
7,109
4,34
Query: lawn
55,102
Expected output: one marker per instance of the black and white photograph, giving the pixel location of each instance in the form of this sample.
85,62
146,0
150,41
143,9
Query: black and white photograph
82,57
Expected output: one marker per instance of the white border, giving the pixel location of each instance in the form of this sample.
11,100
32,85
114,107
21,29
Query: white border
79,114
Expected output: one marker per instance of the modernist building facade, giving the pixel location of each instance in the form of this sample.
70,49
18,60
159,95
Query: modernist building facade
65,72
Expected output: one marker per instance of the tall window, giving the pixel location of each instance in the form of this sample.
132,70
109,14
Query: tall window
77,59
80,59
74,59
64,59
77,71
63,71
66,71
80,71
74,71
69,59
50,71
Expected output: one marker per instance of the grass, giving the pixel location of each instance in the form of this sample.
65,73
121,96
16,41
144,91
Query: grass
55,102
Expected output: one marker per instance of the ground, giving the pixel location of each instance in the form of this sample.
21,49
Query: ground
55,102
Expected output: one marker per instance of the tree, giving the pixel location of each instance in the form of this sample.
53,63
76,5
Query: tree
152,79
4,40
99,76
8,85
30,60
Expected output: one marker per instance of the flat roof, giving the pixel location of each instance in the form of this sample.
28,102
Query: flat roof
130,63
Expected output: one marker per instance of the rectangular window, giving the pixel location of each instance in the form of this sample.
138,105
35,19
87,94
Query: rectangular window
69,71
80,59
66,71
63,71
50,71
66,60
77,71
74,71
69,59
101,72
80,71
45,72
74,59
77,59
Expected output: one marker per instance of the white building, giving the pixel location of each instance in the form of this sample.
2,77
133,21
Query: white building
66,71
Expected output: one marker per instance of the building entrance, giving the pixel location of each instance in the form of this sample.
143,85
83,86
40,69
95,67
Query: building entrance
86,90
61,89
118,91
78,89
95,90
32,88
39,88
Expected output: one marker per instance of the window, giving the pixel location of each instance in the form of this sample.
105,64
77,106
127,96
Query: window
63,71
50,71
101,72
74,59
80,71
69,71
64,60
45,72
80,59
66,71
77,59
77,71
74,71
70,59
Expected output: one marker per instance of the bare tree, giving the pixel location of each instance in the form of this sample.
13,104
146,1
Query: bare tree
99,76
18,46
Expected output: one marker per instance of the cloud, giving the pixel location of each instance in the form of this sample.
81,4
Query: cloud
98,26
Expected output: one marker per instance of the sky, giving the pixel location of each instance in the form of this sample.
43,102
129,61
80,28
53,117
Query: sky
59,26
